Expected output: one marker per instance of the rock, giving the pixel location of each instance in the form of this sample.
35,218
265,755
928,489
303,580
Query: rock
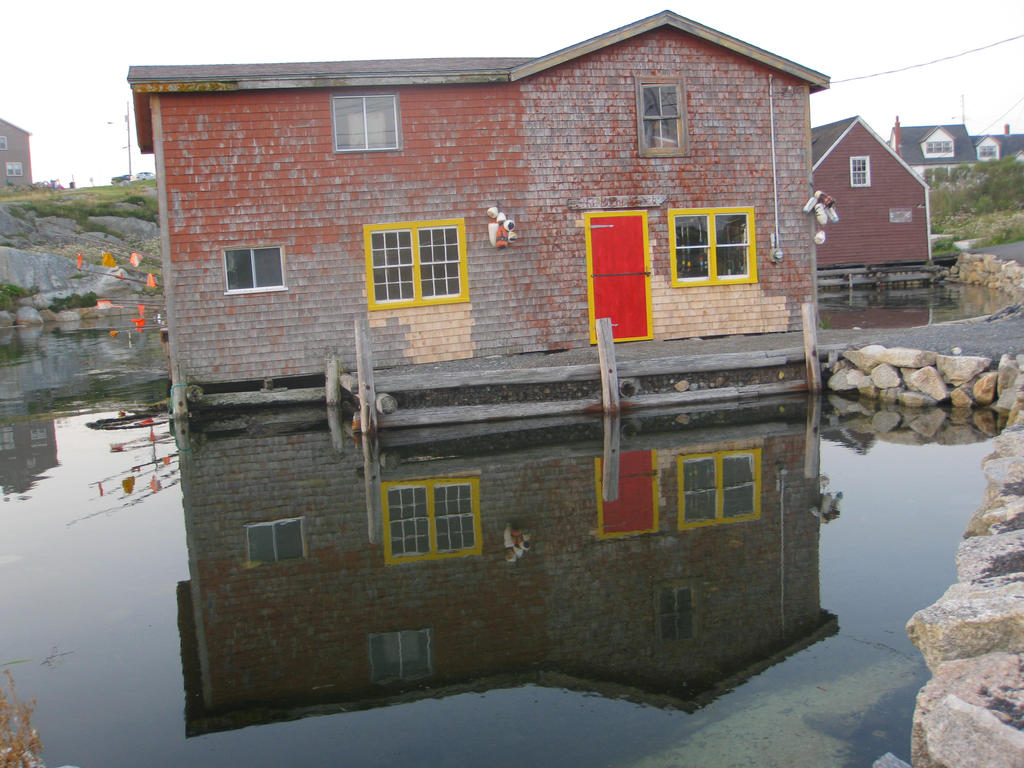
889,396
903,357
985,557
6,319
884,376
959,370
138,229
969,715
865,358
970,620
986,421
867,389
28,316
682,385
885,421
48,315
1008,372
916,399
1007,398
961,397
889,760
927,381
984,390
992,520
928,423
847,380
1010,443
958,434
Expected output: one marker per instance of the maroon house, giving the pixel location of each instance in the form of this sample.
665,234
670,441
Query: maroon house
882,202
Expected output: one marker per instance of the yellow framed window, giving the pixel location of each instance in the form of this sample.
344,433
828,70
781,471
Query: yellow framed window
717,488
416,263
712,246
431,519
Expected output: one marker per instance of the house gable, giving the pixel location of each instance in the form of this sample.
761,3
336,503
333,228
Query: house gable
988,148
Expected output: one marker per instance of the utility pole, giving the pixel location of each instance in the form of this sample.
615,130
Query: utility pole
128,130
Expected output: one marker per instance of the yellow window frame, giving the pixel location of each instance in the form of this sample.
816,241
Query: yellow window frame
719,518
414,228
430,484
713,277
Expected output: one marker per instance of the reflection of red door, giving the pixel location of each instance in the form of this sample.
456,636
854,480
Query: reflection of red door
635,510
618,271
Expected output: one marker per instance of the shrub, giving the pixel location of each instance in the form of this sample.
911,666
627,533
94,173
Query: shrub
19,742
74,301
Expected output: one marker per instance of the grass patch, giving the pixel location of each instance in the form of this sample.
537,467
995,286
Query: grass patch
130,201
9,295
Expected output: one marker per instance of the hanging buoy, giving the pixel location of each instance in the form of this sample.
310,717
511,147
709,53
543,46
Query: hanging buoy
113,333
79,261
135,258
108,260
150,281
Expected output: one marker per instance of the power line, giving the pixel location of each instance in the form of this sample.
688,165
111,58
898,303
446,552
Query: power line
1019,101
928,63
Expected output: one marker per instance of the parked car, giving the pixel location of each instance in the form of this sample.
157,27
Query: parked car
145,175
121,179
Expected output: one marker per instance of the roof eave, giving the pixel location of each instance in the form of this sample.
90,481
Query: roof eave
816,80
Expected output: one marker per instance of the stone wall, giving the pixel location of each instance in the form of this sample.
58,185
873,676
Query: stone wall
990,271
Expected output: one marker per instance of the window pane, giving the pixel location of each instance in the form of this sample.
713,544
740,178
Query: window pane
407,512
731,239
699,473
385,657
661,134
268,267
691,246
700,505
415,653
439,261
289,539
453,513
737,469
738,501
261,543
348,123
239,269
391,254
381,124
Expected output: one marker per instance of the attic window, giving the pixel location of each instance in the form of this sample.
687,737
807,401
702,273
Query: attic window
3,142
661,121
365,123
987,152
860,171
938,149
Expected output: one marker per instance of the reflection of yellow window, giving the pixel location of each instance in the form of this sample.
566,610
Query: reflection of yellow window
722,487
431,519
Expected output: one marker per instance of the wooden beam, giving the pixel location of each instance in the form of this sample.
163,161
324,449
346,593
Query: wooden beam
610,458
372,488
609,372
810,322
332,386
364,374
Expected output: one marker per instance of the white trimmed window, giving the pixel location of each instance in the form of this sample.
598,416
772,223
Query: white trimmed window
938,148
860,171
988,152
661,118
249,270
415,263
275,541
3,142
396,656
15,169
365,123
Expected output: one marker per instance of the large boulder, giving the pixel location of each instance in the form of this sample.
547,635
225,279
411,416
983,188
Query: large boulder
885,376
970,715
903,357
927,381
865,358
959,370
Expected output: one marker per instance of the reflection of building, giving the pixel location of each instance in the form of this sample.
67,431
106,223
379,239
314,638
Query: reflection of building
27,449
704,567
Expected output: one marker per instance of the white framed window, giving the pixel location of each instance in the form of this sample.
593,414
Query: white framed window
15,169
366,123
275,541
860,171
661,117
940,148
674,605
901,215
988,152
250,270
397,656
3,142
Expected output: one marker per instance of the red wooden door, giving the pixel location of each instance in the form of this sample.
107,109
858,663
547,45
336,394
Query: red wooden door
619,274
635,510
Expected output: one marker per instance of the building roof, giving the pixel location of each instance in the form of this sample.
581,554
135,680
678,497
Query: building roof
12,125
146,80
912,136
826,138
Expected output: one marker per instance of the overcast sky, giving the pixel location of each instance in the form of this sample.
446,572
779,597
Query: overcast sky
66,69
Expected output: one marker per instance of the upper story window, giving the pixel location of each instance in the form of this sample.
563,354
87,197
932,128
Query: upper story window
3,142
860,171
363,123
275,541
712,246
940,148
661,121
988,152
249,270
15,169
415,263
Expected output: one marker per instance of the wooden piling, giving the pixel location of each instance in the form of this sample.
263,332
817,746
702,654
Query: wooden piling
610,464
810,322
332,386
609,371
364,374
